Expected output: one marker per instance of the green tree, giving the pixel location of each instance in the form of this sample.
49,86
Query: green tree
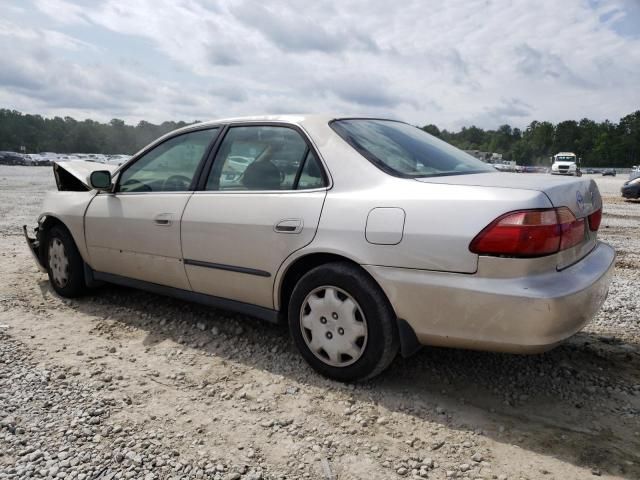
432,129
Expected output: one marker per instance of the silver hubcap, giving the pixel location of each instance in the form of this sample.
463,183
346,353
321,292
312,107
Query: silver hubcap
58,262
333,326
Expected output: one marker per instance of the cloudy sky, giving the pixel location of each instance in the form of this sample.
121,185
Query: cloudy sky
452,63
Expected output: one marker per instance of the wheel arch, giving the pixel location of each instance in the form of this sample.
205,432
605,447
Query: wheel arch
46,222
409,343
297,268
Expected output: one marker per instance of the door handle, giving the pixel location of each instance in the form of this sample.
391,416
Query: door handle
290,225
163,219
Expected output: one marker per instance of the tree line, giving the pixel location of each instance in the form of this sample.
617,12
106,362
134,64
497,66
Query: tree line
597,143
66,135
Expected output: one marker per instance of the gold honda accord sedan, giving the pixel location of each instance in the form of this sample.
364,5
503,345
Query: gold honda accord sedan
367,236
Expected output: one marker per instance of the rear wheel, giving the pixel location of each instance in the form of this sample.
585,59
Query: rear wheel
342,323
64,263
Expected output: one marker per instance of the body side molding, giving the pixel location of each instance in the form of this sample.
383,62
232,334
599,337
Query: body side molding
230,268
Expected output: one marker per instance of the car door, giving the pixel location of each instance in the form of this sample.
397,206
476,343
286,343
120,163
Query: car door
261,201
135,230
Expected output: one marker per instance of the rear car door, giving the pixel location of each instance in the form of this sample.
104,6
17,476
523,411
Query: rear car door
260,202
135,231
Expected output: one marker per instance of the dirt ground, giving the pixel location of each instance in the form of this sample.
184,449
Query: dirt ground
218,395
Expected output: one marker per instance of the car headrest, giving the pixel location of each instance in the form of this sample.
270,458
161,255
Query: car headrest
261,175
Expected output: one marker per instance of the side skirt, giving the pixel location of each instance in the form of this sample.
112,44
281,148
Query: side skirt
262,313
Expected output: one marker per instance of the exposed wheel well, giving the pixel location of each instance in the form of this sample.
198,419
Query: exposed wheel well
48,223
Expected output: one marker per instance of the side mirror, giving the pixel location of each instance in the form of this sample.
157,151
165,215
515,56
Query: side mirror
100,179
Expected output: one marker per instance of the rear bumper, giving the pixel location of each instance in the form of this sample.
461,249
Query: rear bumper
34,247
526,314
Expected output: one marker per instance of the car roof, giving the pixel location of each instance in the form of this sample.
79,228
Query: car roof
288,118
314,124
297,119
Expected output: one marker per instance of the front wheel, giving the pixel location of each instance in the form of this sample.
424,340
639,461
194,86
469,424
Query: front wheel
64,263
342,323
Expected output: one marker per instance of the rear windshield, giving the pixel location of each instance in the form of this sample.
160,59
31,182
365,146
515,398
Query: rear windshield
406,151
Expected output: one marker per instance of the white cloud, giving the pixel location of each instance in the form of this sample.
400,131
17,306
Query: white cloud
51,38
449,63
63,11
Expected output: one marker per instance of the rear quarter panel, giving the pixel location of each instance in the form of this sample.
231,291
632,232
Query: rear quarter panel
440,222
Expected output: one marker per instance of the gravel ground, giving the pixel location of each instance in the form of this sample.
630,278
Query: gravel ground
125,384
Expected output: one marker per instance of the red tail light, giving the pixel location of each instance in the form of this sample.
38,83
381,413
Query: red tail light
572,229
594,220
530,233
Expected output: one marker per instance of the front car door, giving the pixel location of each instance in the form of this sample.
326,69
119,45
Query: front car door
135,231
261,201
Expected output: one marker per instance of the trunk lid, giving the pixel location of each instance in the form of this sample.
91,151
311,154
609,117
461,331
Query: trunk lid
579,194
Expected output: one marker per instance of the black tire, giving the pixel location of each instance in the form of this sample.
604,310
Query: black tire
382,343
72,283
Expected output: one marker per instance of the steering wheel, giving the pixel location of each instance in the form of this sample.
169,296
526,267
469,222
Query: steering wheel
176,183
132,181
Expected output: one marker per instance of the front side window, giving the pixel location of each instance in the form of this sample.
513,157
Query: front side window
169,167
264,158
404,150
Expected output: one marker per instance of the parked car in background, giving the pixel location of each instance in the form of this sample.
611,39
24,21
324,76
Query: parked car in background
377,238
12,158
609,172
631,188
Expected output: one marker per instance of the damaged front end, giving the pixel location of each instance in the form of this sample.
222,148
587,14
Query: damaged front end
67,207
34,246
73,176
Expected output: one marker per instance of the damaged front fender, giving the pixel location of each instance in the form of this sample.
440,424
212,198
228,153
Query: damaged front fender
34,247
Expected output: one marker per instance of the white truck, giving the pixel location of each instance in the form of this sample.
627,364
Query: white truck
565,163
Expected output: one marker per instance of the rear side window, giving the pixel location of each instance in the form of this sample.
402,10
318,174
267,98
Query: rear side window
264,158
404,150
311,174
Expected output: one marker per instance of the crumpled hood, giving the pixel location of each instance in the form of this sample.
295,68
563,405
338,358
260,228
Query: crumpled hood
73,175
